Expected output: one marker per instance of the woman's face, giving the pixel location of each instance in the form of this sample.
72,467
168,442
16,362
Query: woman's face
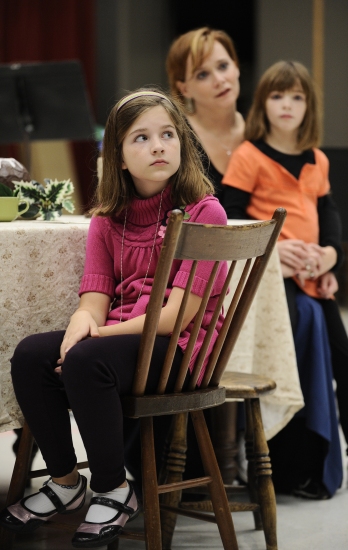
215,84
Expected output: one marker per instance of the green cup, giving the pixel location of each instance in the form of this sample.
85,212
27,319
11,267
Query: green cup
9,208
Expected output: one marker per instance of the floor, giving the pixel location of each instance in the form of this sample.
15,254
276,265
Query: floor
302,524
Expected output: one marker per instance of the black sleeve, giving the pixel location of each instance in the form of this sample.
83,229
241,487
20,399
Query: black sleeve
330,227
235,202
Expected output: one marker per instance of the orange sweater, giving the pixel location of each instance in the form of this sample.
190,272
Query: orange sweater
272,186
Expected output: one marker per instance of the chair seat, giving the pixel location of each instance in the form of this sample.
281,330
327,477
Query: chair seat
157,405
245,385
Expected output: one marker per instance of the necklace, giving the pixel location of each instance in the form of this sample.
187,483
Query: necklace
228,149
152,249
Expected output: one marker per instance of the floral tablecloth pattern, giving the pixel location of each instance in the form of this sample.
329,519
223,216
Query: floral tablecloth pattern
41,264
265,346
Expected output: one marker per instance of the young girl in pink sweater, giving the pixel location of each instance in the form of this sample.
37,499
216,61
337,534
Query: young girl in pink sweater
150,167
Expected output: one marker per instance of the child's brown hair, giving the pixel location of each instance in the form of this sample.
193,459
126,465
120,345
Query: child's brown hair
116,188
282,76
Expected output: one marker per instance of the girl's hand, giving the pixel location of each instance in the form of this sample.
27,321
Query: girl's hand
81,326
93,310
327,285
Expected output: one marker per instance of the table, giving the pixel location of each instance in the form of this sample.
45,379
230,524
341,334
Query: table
41,264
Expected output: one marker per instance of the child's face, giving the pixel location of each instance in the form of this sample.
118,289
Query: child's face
151,151
285,110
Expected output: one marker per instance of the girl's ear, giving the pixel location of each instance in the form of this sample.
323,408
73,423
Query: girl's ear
123,165
182,87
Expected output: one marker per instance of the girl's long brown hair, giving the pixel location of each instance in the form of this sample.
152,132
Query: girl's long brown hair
116,189
282,76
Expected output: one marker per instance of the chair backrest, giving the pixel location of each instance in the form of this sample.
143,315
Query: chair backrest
251,243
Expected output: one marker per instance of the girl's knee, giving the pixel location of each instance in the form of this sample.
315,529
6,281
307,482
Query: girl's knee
84,366
37,350
78,364
27,350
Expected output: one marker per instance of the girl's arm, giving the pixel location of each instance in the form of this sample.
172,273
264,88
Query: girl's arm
235,202
330,226
327,285
167,319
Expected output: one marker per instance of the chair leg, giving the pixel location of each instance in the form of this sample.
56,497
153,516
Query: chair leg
18,481
263,472
175,467
223,436
216,487
152,520
250,456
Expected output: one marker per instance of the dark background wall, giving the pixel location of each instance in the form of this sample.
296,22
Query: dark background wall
122,44
236,18
133,38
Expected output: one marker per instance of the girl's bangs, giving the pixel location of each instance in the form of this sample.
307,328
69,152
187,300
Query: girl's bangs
286,79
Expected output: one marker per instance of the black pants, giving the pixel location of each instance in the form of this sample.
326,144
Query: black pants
338,345
96,373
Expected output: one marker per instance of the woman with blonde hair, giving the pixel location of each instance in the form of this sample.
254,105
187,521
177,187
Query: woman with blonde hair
203,74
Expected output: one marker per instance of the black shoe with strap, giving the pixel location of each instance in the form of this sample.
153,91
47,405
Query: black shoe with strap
94,535
21,519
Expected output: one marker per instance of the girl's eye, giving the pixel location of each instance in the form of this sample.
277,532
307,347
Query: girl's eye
276,95
140,138
299,97
223,66
168,134
202,75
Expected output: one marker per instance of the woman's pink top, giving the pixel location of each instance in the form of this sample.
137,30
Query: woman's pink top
102,271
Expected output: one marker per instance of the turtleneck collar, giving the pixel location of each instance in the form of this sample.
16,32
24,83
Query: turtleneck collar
145,211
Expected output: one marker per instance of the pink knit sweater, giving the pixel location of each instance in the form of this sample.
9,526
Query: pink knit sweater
103,255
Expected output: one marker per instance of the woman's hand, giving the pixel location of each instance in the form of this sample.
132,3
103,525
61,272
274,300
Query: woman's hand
294,254
320,260
288,271
327,285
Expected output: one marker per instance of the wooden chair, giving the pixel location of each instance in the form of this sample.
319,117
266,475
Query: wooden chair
185,241
238,386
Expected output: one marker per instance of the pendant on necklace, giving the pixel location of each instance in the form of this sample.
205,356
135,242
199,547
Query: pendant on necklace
228,152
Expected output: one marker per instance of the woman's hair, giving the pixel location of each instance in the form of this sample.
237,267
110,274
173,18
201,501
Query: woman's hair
197,44
280,77
116,189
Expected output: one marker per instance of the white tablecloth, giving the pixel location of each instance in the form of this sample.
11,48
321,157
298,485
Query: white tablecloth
41,264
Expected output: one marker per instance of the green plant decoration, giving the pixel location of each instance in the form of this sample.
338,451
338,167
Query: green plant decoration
5,191
49,199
